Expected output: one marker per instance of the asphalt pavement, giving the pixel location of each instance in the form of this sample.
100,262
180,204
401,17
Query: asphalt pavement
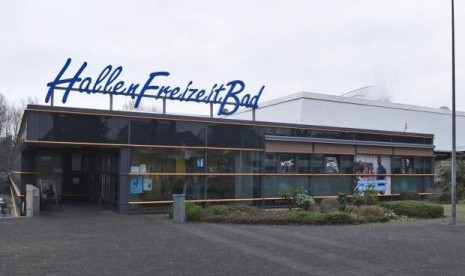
89,240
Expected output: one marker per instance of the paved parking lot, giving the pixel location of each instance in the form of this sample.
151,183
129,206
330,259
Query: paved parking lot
86,240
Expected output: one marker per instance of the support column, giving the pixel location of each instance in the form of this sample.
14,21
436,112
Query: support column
123,191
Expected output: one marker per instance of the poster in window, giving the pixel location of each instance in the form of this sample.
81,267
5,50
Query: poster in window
287,165
373,173
407,165
331,165
48,190
143,168
136,185
147,184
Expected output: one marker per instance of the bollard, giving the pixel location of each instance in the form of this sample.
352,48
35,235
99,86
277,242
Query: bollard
179,208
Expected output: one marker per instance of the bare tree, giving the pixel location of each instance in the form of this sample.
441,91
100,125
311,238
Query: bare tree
3,115
16,112
129,106
10,121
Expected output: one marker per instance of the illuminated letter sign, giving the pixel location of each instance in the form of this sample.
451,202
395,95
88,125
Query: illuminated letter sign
107,82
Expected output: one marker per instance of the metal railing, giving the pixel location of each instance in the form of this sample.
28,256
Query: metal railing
16,196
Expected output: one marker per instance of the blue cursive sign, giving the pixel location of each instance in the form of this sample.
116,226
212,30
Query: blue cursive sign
108,82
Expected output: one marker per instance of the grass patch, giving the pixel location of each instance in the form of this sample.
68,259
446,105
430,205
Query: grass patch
219,210
194,212
460,211
416,209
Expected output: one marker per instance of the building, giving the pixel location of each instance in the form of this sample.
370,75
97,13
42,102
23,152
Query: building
339,111
135,162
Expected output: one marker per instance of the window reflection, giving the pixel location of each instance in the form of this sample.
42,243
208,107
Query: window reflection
165,132
167,161
220,161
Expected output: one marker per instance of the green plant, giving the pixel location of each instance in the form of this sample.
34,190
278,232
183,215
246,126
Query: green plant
194,211
418,209
170,212
442,178
342,199
253,215
358,200
288,195
441,196
219,210
371,197
297,197
390,215
304,201
329,205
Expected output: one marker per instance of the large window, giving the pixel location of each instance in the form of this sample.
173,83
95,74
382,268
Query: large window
318,163
76,128
411,165
167,161
287,163
273,185
118,130
221,161
270,163
234,136
159,187
165,132
233,161
332,164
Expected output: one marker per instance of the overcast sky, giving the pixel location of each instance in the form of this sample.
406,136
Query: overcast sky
401,46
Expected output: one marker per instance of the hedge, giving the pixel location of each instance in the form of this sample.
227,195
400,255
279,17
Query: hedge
417,209
282,218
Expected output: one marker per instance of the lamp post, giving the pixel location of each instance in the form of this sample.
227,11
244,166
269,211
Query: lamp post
453,159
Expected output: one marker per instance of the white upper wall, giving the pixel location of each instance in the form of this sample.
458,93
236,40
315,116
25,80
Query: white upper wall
336,111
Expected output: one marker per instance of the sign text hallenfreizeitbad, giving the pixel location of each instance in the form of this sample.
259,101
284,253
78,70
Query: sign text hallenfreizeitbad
108,83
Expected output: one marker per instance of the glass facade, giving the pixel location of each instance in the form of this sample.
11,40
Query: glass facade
147,160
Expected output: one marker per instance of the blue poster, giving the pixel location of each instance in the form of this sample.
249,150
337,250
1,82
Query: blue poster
136,184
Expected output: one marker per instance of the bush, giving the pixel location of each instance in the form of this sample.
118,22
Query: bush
409,196
329,205
342,199
297,197
335,218
371,213
371,197
417,209
288,196
442,196
194,211
358,200
219,210
241,214
304,201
